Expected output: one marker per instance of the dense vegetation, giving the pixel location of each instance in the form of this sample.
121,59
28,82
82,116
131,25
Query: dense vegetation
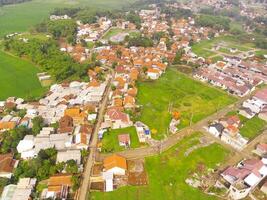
134,18
59,28
10,139
47,55
216,22
140,41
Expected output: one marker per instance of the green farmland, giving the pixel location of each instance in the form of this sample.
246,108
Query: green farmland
20,17
167,173
18,78
176,91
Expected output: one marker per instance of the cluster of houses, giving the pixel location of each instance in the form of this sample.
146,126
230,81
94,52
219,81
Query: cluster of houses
234,75
242,179
257,105
93,32
134,59
227,128
73,107
130,65
115,171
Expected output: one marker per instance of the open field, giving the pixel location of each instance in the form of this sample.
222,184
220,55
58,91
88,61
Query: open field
114,31
18,78
110,142
205,48
252,127
20,17
176,91
167,173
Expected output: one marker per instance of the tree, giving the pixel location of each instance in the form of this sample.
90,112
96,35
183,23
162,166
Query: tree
177,58
134,18
75,183
71,167
22,113
11,138
38,124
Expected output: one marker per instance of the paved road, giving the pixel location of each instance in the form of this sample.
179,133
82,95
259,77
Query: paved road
85,183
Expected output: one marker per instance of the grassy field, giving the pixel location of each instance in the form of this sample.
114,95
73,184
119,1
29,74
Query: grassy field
167,173
18,78
20,17
110,142
177,91
113,31
204,48
252,127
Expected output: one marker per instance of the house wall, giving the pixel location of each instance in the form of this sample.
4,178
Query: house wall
5,175
214,131
238,194
117,171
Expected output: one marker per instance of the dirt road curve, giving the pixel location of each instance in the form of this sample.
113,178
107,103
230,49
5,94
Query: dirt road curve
173,139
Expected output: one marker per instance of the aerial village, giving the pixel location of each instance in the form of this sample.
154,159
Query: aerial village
74,117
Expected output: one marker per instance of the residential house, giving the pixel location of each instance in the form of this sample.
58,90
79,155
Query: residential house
69,154
261,149
216,129
124,140
153,73
232,137
78,116
22,191
115,164
7,164
117,118
58,186
66,124
142,131
244,177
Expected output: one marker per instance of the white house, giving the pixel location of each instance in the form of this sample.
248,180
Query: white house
115,164
216,129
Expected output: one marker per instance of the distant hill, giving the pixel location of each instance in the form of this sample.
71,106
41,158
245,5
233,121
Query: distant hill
6,2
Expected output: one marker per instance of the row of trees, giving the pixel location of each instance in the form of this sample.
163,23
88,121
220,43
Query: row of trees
47,55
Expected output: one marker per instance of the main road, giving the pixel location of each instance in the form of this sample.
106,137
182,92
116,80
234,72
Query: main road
85,182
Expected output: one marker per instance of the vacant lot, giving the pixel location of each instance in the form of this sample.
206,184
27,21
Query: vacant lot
168,171
18,78
205,48
110,142
252,127
176,91
20,17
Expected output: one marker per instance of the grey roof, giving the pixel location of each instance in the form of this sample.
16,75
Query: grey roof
218,126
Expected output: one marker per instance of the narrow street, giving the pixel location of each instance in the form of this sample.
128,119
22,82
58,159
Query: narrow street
85,183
